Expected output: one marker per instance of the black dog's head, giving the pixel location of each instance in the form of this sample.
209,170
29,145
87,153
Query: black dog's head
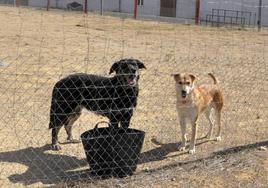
128,70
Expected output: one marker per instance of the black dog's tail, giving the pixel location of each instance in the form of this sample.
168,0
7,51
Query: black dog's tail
53,108
52,119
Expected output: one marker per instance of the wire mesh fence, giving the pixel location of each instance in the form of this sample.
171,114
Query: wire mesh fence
40,49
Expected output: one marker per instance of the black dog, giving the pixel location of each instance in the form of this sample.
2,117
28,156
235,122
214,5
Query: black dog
114,97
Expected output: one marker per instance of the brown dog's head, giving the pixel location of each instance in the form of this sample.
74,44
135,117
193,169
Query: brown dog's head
184,83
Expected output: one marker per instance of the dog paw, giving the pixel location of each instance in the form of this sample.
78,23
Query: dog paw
182,148
56,147
192,151
73,141
218,138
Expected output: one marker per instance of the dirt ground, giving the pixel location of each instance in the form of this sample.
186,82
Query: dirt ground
39,47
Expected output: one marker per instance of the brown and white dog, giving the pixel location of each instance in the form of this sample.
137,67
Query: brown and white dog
192,101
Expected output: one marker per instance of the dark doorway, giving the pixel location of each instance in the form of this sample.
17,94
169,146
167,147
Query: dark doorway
168,8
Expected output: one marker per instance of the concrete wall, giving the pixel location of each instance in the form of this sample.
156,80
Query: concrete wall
265,13
53,3
37,3
108,5
185,9
127,6
11,2
150,7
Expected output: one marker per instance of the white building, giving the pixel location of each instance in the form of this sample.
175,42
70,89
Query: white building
172,8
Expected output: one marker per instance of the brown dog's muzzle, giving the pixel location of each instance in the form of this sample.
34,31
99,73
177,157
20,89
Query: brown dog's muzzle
183,94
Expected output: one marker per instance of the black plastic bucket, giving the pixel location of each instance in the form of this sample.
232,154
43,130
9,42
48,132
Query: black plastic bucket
112,152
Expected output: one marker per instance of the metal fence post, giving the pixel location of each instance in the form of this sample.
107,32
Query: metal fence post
17,3
48,5
85,9
120,5
197,12
259,15
101,8
135,8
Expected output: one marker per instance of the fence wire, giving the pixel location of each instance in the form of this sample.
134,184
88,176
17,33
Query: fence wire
39,52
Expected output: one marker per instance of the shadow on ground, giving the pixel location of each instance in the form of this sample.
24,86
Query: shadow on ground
161,152
54,168
219,154
42,167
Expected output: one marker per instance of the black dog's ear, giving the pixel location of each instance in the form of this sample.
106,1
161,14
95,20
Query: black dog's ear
140,64
114,67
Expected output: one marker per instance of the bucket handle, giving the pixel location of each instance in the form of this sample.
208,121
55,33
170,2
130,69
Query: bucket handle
102,122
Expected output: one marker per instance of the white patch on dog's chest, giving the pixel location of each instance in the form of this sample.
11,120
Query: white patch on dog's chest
188,110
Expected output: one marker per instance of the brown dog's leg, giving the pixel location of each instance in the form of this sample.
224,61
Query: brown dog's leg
183,135
218,120
211,124
218,99
193,139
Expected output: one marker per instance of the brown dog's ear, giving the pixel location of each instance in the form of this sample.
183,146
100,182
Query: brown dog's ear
176,75
114,67
193,77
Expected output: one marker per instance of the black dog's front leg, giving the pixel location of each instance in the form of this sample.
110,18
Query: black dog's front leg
125,124
126,119
114,123
55,143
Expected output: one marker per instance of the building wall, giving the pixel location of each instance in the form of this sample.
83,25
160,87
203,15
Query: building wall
150,7
185,9
265,15
53,3
108,5
127,6
12,2
63,4
37,3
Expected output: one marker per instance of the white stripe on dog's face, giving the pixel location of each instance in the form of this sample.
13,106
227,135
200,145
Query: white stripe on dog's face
187,88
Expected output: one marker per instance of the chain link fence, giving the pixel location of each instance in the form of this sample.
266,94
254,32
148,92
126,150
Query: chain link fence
40,48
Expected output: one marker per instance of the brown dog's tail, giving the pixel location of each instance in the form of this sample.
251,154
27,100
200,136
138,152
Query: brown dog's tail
213,77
